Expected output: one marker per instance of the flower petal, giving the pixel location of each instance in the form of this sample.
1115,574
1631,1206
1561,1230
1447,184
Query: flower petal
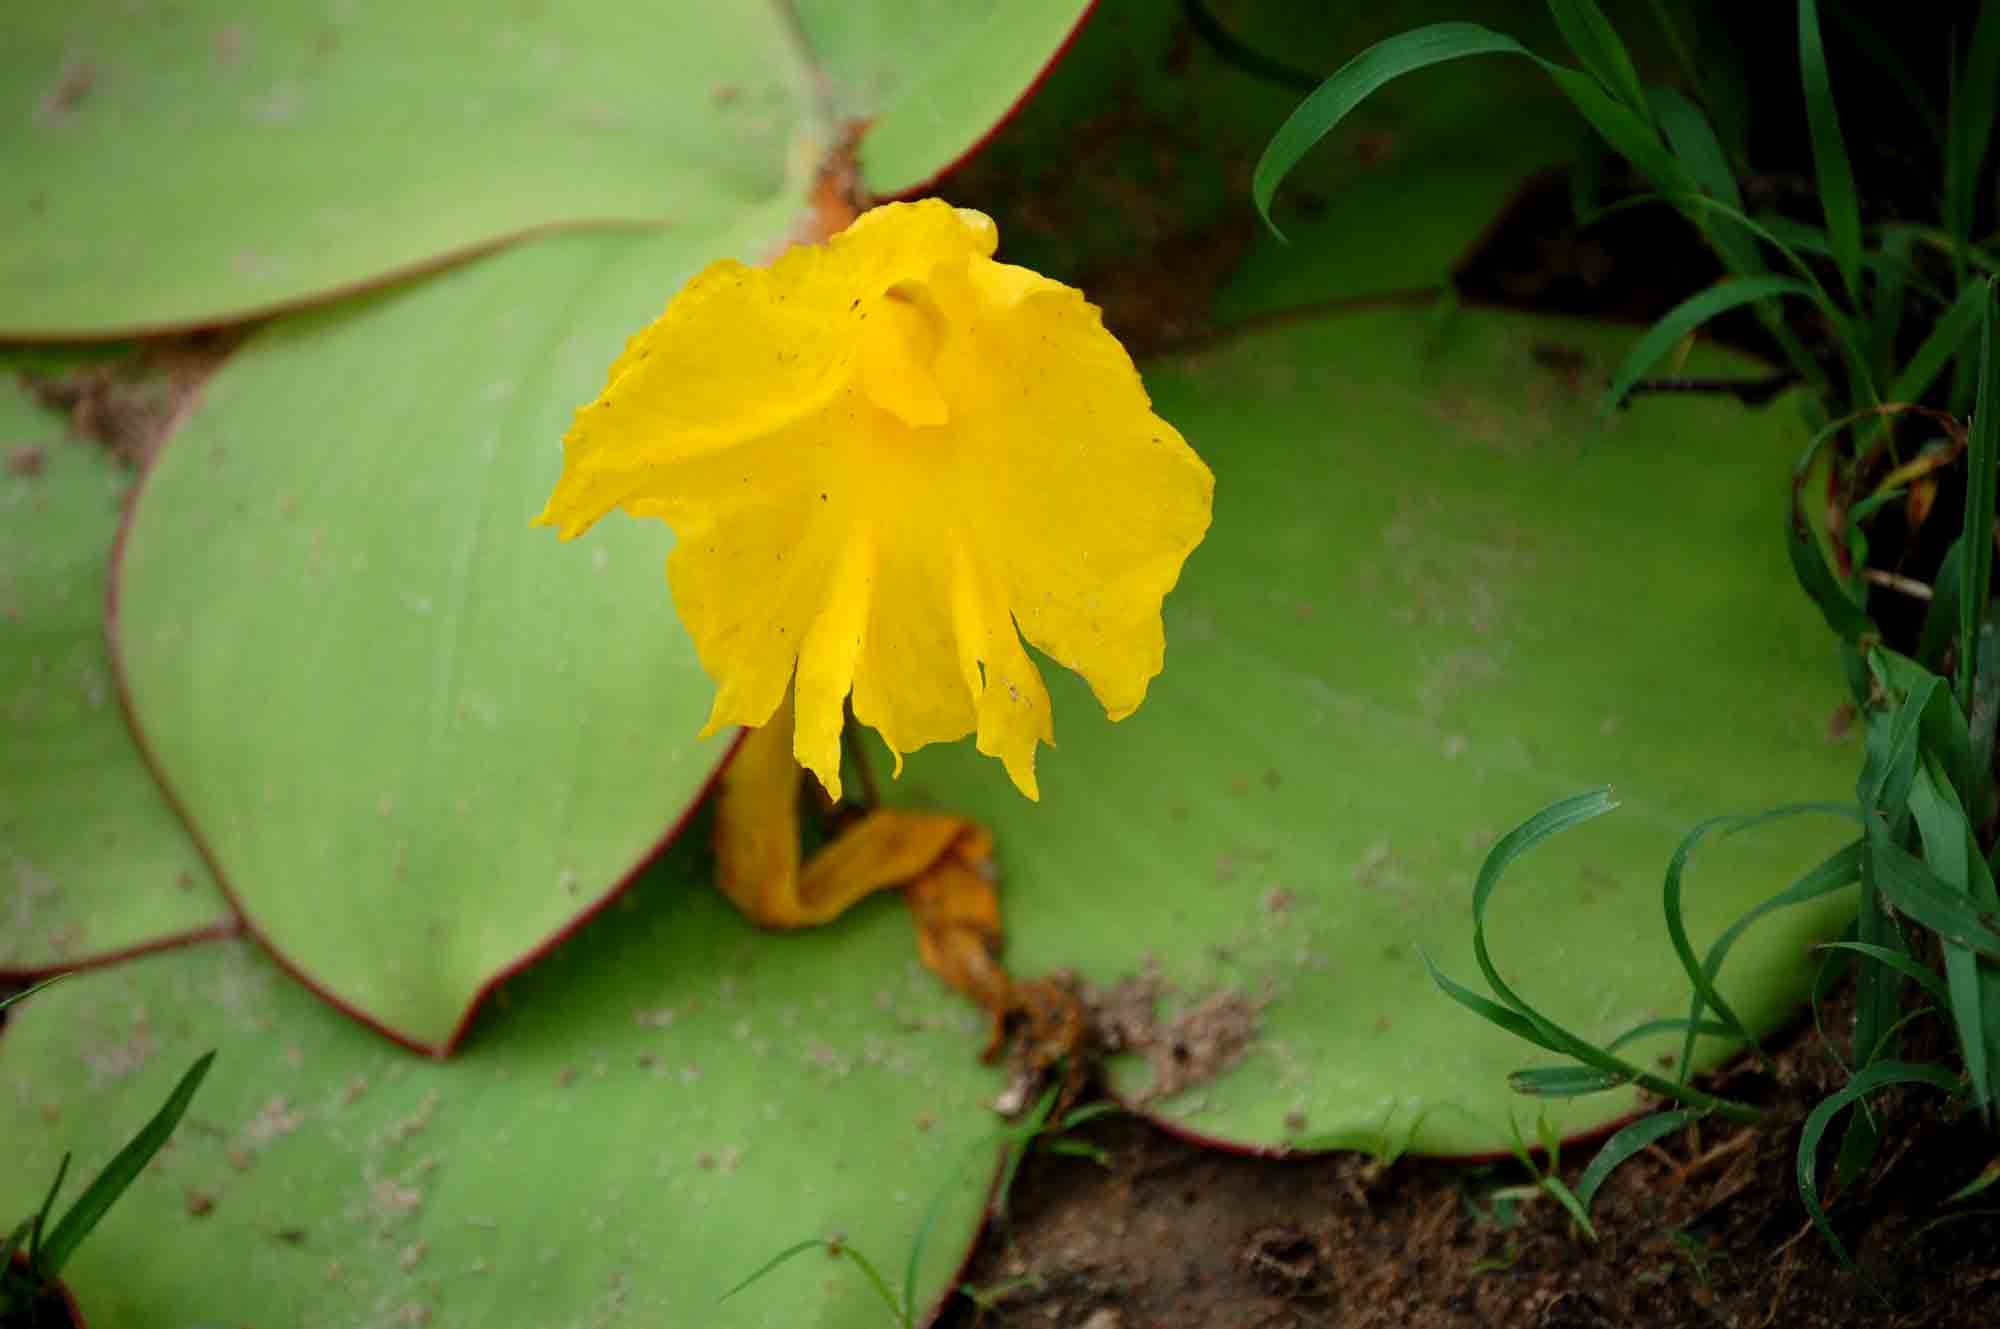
909,684
739,354
1099,501
762,528
827,659
887,460
1013,704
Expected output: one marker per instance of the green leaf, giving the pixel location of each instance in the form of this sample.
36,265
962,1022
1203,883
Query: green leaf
1951,851
1941,621
1693,140
418,740
222,160
1878,989
1927,898
1902,964
1381,660
668,1067
1837,194
248,144
1596,43
1982,463
1565,1081
14,1284
1947,337
119,1174
1691,313
1882,1075
13,997
1631,1140
96,863
1894,275
1831,875
1969,137
1839,870
39,1223
934,80
1354,82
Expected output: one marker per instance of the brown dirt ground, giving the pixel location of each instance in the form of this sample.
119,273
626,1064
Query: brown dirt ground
1706,1228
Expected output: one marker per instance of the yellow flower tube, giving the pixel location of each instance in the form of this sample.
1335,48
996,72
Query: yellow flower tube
887,460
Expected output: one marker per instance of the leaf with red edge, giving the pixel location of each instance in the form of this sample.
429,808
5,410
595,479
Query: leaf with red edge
934,81
418,740
1439,594
93,862
210,161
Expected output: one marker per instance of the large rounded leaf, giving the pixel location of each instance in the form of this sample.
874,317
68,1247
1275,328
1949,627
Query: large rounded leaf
203,162
927,74
417,738
93,862
1437,596
193,163
661,1106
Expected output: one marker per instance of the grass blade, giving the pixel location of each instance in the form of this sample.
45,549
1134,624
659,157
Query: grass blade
1627,1142
1941,621
1690,314
1901,963
1512,1013
40,1222
1549,1182
1971,127
121,1171
1836,174
790,1252
1353,83
1595,42
1630,132
1878,991
1832,874
1842,601
1693,140
1551,820
1947,337
9,1244
1921,894
30,991
1879,1076
1709,1028
1564,1081
1982,459
1892,280
1520,1026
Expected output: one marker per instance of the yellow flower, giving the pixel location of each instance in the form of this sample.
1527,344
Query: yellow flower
886,460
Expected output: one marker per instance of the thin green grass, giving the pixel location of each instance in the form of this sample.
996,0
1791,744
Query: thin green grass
1039,1128
1916,865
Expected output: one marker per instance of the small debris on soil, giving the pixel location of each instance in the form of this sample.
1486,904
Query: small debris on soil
1200,1044
1190,1050
130,405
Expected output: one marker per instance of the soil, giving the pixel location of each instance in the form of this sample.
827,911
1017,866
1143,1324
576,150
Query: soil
1142,1230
